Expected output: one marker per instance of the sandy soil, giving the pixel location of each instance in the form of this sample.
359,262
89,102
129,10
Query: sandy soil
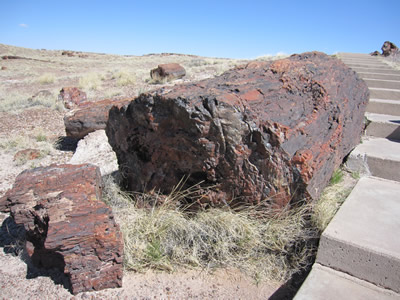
24,124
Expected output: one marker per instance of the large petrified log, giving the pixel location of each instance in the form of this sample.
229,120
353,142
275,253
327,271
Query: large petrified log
90,116
270,132
67,225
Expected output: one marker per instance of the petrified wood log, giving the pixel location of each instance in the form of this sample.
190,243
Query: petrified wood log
67,225
168,72
89,117
270,132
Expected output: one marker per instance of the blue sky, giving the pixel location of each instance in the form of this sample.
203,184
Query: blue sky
234,29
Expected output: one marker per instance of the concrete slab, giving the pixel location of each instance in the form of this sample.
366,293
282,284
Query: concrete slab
384,106
368,65
379,83
363,237
376,70
327,284
379,76
378,157
379,93
384,126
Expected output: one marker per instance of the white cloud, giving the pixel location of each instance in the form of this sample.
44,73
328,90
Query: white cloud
23,25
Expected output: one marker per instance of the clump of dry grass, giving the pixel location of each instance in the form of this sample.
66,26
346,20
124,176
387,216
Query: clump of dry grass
124,78
264,245
90,81
47,78
331,199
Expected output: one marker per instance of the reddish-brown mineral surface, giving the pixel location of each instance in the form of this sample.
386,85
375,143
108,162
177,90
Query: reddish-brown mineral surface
89,117
67,225
270,132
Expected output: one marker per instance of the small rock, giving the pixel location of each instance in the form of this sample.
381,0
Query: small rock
3,68
168,72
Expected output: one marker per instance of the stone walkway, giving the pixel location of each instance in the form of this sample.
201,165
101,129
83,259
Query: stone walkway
359,252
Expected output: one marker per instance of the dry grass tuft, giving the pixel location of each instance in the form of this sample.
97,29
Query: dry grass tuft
90,81
331,199
47,78
266,246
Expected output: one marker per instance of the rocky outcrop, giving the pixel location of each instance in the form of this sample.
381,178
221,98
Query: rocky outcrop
168,72
268,132
90,116
389,49
67,225
95,149
71,97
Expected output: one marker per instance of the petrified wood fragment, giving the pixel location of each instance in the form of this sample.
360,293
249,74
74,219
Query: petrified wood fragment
67,225
89,117
168,72
270,132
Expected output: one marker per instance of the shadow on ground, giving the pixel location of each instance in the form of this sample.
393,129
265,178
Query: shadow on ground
12,240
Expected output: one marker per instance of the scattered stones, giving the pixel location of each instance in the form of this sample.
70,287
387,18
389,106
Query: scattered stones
90,116
389,49
71,97
269,132
27,154
95,149
67,225
168,72
3,68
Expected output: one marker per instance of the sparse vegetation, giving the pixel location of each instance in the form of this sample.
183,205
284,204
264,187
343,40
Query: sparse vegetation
90,81
124,78
47,78
332,197
264,245
337,177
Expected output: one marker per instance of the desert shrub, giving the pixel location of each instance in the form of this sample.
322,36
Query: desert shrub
124,78
47,78
90,81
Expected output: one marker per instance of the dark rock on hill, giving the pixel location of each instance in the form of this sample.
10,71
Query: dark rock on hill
388,49
89,117
67,225
168,72
268,132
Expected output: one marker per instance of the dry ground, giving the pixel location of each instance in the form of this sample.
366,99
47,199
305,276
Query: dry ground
38,123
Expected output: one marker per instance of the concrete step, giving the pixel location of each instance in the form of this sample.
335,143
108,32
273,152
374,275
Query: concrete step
363,237
380,93
327,284
382,66
384,106
379,76
384,126
378,157
380,83
388,71
354,55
